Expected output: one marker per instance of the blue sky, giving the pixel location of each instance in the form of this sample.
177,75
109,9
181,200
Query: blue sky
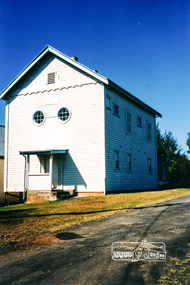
143,46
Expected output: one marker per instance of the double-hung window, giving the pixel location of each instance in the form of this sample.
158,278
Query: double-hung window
149,135
116,110
44,163
117,162
108,103
149,166
128,122
129,162
139,121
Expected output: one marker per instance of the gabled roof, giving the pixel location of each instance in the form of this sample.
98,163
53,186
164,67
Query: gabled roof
46,50
76,64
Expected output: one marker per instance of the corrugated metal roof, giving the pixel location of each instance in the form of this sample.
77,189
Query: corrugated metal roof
2,140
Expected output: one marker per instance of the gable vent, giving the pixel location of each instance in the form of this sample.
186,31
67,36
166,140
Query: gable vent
51,78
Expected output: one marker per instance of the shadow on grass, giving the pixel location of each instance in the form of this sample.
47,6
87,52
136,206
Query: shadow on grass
159,189
3,215
67,236
59,214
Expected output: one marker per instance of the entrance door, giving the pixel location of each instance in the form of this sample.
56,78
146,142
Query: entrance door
58,172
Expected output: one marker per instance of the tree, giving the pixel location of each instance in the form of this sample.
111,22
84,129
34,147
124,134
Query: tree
178,166
188,142
167,145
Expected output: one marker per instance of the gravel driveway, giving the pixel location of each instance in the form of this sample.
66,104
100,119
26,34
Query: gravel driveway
84,254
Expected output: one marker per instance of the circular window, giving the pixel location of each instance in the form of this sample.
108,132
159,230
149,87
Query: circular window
64,114
39,118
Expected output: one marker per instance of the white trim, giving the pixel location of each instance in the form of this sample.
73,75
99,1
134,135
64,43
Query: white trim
78,65
6,147
35,123
81,67
51,171
22,73
60,55
104,153
70,114
38,174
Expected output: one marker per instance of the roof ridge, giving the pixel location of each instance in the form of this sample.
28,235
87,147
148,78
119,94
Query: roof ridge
81,67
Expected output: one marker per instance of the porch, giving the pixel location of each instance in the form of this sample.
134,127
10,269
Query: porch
44,175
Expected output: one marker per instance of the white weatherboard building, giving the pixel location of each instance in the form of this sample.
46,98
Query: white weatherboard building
70,128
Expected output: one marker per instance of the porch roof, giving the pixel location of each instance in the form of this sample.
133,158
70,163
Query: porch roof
50,151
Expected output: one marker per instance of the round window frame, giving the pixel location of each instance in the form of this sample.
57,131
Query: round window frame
61,121
40,124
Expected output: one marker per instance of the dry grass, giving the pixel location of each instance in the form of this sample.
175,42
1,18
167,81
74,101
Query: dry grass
22,225
177,271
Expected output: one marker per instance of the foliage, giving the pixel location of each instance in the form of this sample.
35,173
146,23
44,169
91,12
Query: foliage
178,165
188,142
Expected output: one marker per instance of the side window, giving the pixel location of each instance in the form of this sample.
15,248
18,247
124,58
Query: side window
149,165
117,162
44,163
129,162
128,122
108,103
149,131
139,121
38,118
116,110
64,115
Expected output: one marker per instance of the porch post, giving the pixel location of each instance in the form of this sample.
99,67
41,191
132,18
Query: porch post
27,171
51,171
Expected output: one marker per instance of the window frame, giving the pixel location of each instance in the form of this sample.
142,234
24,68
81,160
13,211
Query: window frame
117,108
128,123
108,99
149,165
149,132
41,123
58,117
139,119
129,162
44,163
116,160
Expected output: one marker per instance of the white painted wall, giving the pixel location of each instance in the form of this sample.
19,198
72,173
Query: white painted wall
2,194
135,144
82,135
91,135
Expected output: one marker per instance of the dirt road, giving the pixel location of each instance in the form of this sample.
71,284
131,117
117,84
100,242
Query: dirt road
84,256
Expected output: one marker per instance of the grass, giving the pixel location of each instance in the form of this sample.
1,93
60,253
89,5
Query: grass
22,225
177,271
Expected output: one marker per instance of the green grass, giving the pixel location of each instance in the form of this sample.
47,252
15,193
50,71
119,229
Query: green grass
22,225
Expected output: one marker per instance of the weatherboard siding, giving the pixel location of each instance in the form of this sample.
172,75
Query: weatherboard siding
135,144
36,80
91,136
82,135
2,194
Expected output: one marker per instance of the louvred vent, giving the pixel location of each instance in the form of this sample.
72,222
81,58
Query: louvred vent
51,78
